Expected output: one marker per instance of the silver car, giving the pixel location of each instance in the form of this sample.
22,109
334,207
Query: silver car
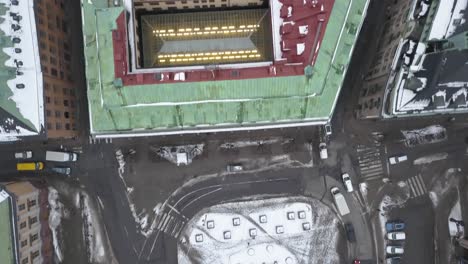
62,170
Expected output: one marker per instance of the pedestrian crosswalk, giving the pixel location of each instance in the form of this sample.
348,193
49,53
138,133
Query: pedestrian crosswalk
170,223
417,186
93,140
370,163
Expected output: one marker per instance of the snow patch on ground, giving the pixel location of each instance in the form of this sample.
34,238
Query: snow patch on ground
142,218
56,213
454,229
426,135
443,185
92,232
286,230
386,205
430,158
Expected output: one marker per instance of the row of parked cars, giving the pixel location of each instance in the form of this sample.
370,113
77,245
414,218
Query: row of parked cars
395,236
56,156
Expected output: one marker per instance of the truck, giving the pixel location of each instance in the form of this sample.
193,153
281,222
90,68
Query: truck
340,201
61,156
29,166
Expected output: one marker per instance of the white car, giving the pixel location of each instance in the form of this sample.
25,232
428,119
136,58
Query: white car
397,159
347,182
323,150
394,250
396,236
328,129
23,154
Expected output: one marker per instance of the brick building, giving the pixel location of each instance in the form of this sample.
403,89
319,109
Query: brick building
59,87
25,219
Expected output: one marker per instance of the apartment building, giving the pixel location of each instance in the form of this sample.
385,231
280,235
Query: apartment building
30,233
375,81
157,5
60,100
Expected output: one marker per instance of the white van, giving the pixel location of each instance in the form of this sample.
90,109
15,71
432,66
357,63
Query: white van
340,201
61,156
323,150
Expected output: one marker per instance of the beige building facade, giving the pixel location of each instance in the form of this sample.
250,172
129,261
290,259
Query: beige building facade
30,206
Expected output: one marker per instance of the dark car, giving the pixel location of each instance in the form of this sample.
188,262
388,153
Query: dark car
394,260
394,226
350,234
62,170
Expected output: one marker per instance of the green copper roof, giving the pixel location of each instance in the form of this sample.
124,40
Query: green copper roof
213,104
6,243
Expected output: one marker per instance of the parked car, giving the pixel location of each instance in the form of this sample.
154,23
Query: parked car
397,159
323,150
23,154
234,168
395,250
328,129
394,260
350,232
396,236
62,170
347,182
394,226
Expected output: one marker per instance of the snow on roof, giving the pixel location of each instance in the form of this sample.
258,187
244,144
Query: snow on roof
276,22
251,231
441,20
448,17
457,17
24,60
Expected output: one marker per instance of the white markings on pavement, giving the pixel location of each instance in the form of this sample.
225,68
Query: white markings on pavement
93,140
370,163
417,186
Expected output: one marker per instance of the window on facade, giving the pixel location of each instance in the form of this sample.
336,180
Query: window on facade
58,113
49,126
21,207
58,126
66,114
33,238
42,45
62,75
42,34
64,26
48,113
53,60
24,243
32,203
32,220
23,225
65,91
53,71
72,92
25,261
48,99
35,254
57,22
67,57
72,104
65,102
67,126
